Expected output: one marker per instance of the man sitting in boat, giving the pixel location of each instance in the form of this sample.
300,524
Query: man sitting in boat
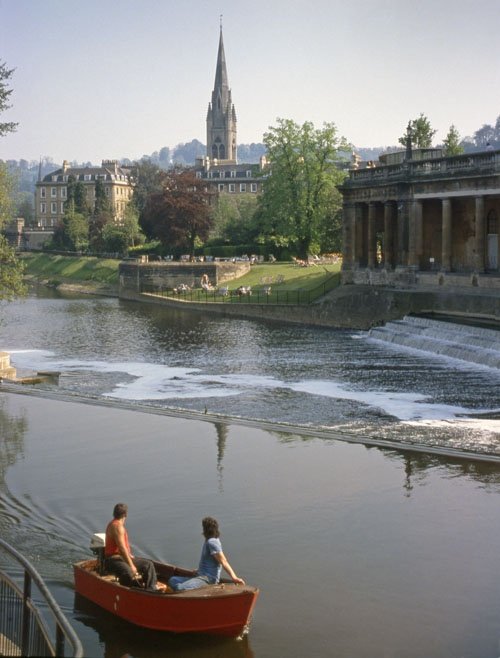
131,571
211,562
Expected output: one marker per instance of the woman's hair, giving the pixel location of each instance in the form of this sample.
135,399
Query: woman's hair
210,527
120,510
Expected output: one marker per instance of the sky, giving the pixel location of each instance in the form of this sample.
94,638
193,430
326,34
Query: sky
112,79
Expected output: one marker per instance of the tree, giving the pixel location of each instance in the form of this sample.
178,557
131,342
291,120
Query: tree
76,199
102,215
11,270
186,154
234,219
300,192
148,181
485,135
72,234
130,226
421,133
179,214
452,142
118,237
5,92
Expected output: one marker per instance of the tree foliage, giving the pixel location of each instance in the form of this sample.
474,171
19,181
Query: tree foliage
11,272
72,234
179,214
421,133
100,218
148,181
5,92
235,220
76,200
118,237
300,194
452,142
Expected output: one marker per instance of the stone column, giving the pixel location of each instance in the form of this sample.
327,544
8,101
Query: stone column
372,243
402,253
412,250
419,231
388,235
446,239
348,236
480,235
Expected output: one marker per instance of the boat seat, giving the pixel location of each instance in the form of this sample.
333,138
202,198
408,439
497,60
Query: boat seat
110,577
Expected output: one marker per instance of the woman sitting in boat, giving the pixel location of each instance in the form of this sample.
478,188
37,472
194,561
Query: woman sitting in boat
211,562
131,571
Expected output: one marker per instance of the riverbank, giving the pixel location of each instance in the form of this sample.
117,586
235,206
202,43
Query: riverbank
345,307
72,274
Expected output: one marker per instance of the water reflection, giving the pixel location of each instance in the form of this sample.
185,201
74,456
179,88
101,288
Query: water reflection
417,468
222,433
121,639
418,465
12,430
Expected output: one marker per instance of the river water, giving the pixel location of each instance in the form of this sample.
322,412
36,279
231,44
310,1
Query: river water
358,551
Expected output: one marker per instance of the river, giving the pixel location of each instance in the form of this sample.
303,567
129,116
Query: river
358,551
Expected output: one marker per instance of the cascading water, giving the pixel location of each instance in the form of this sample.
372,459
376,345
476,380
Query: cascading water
473,344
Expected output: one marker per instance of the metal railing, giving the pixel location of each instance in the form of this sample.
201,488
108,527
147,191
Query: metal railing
23,629
261,294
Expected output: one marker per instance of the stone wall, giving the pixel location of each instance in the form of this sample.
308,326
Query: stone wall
349,307
161,275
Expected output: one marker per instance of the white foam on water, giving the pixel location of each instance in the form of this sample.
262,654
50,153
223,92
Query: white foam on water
404,406
152,381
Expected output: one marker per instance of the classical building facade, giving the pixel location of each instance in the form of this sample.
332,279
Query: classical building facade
51,191
220,167
420,217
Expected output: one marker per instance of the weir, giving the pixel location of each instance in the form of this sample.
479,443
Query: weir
458,341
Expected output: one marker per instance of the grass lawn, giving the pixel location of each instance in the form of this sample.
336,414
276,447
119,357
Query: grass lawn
270,282
273,283
72,268
286,276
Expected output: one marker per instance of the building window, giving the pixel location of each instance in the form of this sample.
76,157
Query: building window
232,187
43,208
53,208
221,187
253,187
249,173
63,192
62,207
54,179
243,187
106,190
210,174
233,173
87,177
65,179
53,191
42,193
198,174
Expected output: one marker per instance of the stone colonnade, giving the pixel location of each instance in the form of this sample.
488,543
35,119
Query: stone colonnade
419,233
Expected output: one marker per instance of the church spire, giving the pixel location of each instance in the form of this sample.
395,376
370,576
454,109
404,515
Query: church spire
221,117
221,70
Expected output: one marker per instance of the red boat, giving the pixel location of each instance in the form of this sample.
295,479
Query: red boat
223,609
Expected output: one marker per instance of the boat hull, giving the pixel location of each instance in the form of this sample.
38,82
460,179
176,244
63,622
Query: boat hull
223,609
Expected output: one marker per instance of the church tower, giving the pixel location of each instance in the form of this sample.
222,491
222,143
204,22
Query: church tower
221,116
